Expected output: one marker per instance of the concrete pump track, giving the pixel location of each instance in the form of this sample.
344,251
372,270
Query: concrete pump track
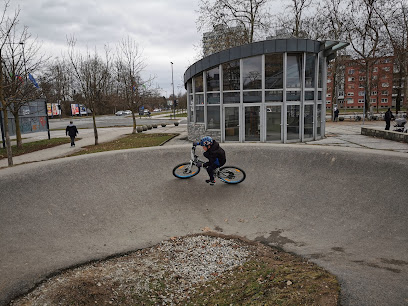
344,209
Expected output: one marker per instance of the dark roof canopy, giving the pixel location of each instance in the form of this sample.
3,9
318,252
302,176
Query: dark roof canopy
263,47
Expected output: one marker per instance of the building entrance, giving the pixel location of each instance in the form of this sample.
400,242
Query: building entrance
231,123
252,123
293,122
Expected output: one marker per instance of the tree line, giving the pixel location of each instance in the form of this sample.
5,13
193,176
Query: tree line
374,28
102,81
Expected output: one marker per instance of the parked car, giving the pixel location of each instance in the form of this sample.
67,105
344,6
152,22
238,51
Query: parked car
119,113
157,110
127,112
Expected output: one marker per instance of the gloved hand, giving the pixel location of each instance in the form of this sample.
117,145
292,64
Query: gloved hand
199,164
207,164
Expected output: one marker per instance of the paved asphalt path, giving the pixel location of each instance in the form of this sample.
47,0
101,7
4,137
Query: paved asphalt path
343,208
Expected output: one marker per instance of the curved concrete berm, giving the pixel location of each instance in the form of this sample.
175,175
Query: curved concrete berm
345,209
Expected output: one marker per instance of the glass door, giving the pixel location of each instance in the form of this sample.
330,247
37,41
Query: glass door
273,122
293,121
231,123
252,123
308,122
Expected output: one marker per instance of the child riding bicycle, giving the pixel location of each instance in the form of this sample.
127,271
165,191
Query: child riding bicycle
215,155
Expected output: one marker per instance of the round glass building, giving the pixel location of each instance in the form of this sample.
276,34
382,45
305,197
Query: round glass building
267,91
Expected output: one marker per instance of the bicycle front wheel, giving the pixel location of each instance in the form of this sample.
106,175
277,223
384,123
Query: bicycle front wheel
231,175
184,171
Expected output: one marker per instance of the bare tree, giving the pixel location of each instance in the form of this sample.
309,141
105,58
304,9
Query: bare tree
92,74
234,22
22,58
129,66
394,16
330,24
294,22
364,34
6,26
56,81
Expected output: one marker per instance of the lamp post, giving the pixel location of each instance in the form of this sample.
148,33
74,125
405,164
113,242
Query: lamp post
174,98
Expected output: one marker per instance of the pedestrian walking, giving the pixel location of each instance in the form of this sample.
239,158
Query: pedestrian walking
336,115
72,131
387,117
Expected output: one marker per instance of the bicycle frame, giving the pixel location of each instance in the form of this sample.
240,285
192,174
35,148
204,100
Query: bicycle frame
194,157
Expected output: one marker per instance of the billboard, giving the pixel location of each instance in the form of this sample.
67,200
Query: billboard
74,109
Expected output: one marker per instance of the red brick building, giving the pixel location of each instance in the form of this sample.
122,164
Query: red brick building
351,80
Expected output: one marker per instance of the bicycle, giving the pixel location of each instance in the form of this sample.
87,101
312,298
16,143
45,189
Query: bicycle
227,174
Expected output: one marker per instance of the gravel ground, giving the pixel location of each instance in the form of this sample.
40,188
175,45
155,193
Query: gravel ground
173,272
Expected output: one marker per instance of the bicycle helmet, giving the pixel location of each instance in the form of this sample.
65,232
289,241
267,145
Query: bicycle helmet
206,141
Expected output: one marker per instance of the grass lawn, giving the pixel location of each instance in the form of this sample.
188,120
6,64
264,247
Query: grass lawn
128,142
35,146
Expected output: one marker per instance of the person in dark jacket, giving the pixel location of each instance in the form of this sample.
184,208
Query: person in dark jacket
387,117
215,155
72,131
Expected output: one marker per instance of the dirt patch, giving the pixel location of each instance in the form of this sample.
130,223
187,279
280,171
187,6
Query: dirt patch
199,269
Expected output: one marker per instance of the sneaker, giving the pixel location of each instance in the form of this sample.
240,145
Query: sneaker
211,182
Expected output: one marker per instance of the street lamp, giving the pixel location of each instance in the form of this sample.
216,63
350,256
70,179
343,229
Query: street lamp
174,98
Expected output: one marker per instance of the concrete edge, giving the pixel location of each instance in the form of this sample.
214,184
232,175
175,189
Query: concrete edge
385,134
308,147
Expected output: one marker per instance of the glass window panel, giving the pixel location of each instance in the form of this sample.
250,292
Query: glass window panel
213,117
293,115
231,123
294,71
231,77
319,120
198,83
213,79
310,70
319,95
309,95
231,97
308,125
199,99
274,96
274,71
191,108
273,123
213,98
200,114
293,96
252,72
190,87
253,97
320,83
252,123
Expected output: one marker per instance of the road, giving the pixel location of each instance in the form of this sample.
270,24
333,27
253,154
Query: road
109,121
342,208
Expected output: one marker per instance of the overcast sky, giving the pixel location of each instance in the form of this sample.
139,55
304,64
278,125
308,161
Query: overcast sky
164,29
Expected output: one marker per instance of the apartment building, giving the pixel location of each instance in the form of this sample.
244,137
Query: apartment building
351,78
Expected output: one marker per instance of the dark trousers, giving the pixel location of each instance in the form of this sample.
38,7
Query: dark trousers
211,168
210,171
72,140
387,124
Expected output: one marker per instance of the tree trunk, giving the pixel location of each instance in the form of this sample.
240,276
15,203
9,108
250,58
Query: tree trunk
334,87
406,91
8,141
18,130
134,122
94,126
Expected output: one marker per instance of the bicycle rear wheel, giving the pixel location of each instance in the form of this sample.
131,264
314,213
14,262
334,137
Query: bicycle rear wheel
231,175
183,171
